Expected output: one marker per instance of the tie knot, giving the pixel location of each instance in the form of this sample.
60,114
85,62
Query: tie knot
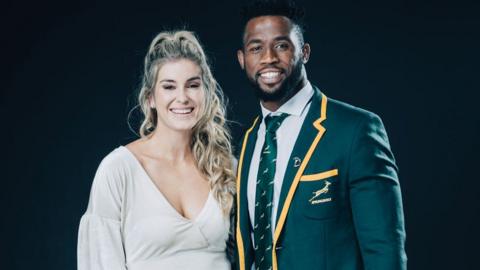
272,123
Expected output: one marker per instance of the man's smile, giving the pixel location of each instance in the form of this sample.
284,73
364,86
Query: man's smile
270,76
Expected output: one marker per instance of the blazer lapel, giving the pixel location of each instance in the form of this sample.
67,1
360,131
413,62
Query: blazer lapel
310,134
244,247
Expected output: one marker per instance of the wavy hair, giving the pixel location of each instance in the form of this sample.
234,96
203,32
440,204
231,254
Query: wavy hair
211,137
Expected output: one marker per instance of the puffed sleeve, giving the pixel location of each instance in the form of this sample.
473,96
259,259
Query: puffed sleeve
376,200
100,245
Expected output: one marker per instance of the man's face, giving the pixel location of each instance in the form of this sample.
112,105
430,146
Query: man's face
273,57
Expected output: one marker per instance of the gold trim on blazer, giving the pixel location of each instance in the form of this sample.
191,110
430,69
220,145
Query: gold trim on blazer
319,176
283,215
241,255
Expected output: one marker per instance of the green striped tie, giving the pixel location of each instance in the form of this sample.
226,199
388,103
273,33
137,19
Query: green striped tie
262,230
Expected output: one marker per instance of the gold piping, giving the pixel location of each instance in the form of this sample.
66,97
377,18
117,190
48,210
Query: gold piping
241,255
288,200
319,176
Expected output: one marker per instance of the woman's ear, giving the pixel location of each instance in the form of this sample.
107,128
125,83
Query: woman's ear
151,102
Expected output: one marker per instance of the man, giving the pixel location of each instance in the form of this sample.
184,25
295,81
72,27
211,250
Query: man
317,182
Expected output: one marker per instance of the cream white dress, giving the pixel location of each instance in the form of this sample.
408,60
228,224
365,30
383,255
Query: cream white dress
129,224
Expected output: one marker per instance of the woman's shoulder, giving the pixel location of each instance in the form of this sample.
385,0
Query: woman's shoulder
116,164
117,158
109,185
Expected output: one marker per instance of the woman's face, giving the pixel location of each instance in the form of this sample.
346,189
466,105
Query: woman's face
178,95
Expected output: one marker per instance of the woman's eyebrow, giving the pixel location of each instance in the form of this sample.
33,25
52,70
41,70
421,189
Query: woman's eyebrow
194,78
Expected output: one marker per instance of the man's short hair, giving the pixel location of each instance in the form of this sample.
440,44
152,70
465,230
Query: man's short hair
287,8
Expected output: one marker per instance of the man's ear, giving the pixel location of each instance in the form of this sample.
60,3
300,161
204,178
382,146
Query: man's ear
305,53
240,59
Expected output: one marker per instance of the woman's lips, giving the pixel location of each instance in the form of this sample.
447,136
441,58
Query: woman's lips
182,111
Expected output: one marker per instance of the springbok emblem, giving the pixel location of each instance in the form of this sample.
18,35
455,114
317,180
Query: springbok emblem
321,191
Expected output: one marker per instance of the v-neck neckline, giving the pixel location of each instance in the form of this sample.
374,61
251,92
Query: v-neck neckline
162,196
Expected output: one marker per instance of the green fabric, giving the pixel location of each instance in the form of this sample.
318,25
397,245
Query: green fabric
358,223
262,230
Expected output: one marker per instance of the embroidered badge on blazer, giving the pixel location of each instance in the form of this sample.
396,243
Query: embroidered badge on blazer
296,162
319,192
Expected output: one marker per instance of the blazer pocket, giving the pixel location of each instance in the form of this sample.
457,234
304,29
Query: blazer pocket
319,176
320,197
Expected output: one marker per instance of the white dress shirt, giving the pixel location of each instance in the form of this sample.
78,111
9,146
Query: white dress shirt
297,108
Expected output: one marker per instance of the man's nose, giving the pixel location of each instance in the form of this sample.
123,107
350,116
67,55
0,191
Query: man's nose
269,56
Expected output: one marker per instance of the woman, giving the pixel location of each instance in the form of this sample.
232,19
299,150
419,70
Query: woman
163,201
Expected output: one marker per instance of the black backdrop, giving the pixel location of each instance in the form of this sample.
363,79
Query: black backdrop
69,72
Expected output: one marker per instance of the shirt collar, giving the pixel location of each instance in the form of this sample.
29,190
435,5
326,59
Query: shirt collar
295,105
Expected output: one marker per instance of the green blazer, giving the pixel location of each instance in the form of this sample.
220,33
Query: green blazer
340,205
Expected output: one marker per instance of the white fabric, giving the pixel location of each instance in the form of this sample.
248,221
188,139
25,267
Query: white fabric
130,225
297,107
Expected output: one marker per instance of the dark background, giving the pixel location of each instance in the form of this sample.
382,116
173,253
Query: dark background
69,73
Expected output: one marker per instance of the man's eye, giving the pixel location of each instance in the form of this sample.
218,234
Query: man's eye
282,46
255,49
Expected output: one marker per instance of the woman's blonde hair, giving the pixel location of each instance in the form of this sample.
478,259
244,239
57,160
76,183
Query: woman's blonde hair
210,144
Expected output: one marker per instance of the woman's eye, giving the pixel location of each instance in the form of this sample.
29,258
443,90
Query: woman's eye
168,87
196,85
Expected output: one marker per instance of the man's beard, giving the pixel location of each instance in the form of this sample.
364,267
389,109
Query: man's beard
286,89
